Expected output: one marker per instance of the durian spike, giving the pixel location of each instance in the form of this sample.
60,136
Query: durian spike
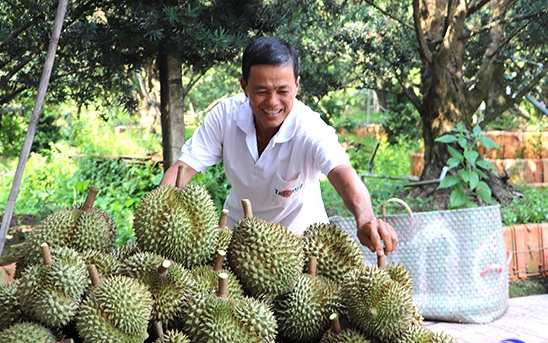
90,199
224,217
180,177
219,260
222,291
381,261
313,266
163,268
159,327
248,211
335,323
93,274
46,254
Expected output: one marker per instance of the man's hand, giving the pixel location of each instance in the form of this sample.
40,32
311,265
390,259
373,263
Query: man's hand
373,233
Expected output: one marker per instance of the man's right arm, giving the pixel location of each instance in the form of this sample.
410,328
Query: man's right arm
170,175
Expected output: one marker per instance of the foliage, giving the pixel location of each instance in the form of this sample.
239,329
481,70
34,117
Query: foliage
531,206
470,169
402,123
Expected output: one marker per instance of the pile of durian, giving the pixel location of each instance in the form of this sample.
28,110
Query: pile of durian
189,278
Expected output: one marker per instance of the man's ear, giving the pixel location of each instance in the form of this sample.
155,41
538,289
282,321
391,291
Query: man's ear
243,84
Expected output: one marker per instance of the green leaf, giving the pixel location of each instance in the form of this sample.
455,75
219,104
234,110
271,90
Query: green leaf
488,143
484,192
449,181
486,165
446,139
481,173
463,143
476,130
455,153
457,198
453,162
471,156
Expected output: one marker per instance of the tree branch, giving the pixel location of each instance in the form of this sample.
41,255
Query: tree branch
372,4
424,52
503,21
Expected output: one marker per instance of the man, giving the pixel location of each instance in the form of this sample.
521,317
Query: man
275,149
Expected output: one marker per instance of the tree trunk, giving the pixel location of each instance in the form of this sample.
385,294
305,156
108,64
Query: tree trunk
172,107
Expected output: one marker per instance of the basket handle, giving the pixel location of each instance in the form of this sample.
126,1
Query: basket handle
399,201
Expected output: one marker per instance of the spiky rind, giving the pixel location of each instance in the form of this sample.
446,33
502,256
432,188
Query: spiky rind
10,309
360,287
442,337
303,313
169,291
27,333
52,293
178,223
400,274
266,257
207,281
415,334
348,335
336,250
107,265
173,336
213,319
117,309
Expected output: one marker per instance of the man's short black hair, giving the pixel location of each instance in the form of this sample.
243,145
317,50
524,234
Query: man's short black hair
269,50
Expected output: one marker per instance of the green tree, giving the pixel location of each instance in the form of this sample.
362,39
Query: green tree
449,57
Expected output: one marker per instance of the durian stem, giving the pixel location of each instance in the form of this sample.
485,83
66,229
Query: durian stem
313,266
335,323
222,291
159,327
163,268
180,177
46,254
248,211
381,261
93,274
224,217
219,260
90,199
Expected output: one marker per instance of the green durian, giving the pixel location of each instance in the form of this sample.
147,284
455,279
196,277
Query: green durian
337,251
168,282
415,334
362,284
266,257
225,236
207,281
339,334
107,264
173,336
27,333
400,274
123,251
442,337
303,313
79,227
178,223
51,292
116,310
211,318
10,309
389,313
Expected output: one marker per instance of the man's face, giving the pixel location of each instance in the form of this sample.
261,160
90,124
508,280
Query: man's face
271,91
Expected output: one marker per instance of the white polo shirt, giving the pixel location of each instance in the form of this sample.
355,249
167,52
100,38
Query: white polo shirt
283,183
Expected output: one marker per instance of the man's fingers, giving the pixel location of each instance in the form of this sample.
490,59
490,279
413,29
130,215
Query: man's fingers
388,236
376,238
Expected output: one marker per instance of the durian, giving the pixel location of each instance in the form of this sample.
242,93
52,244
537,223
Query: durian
178,223
79,227
379,306
27,333
168,282
218,318
442,337
170,336
51,292
266,257
207,278
336,250
10,309
338,334
107,264
116,309
303,312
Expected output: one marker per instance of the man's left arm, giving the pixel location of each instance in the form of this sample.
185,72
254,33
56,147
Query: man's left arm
372,232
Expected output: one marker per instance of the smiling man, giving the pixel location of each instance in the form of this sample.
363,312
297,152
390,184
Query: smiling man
275,149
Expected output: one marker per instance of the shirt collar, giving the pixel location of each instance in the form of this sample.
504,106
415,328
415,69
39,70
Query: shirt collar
244,120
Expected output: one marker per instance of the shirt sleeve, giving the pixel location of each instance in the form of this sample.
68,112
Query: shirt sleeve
327,152
205,148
